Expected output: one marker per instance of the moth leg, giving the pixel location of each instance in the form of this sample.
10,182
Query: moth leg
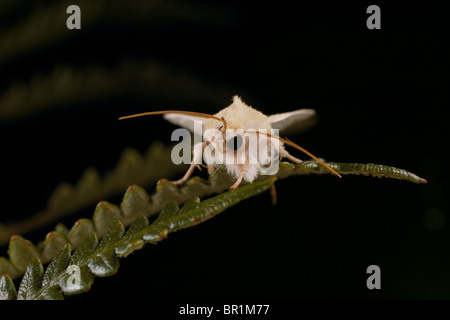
199,166
187,174
273,194
238,181
285,154
198,151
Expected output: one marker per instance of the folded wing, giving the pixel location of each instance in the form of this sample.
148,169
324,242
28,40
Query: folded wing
184,120
294,121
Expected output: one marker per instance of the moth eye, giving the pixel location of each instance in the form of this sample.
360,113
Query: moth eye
235,143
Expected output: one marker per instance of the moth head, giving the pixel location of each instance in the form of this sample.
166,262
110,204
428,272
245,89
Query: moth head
235,143
234,139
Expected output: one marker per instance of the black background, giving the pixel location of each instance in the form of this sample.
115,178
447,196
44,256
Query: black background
380,95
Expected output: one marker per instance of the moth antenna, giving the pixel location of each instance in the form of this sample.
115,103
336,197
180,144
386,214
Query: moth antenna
224,128
198,114
301,149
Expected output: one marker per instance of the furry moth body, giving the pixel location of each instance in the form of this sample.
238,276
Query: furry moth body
238,118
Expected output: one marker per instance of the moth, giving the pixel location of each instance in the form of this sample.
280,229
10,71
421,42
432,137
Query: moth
225,133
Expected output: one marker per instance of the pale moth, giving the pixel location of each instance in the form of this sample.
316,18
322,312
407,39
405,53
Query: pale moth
226,134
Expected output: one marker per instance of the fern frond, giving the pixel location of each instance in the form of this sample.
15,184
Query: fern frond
7,288
132,168
47,25
93,259
136,202
146,78
366,169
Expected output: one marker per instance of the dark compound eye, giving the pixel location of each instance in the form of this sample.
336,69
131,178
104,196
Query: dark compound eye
235,143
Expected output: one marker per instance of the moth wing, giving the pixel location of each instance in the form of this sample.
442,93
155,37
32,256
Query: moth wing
184,120
294,121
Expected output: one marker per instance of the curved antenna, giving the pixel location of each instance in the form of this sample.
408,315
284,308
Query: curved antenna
198,114
301,149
